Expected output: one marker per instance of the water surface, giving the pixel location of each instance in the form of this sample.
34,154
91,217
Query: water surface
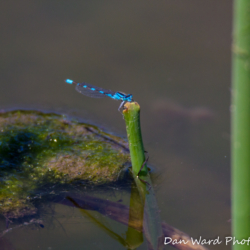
173,56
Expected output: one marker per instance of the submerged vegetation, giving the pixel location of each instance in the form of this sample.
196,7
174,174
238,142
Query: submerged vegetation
38,150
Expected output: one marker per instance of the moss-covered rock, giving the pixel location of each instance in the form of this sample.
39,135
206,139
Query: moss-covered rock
38,149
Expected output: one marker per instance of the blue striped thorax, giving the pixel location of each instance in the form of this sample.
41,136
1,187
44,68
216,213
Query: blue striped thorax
122,96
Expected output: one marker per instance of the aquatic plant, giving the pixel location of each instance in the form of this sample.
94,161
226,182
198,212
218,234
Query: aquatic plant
39,150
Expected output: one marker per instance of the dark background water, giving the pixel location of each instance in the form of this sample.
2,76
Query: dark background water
172,55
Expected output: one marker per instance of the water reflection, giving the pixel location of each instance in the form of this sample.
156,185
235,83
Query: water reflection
136,218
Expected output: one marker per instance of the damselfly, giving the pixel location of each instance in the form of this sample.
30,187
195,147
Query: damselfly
96,92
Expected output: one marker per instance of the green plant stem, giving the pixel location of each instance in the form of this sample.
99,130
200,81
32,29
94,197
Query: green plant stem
137,154
241,123
148,204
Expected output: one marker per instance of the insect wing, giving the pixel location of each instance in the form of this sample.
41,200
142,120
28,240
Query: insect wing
88,91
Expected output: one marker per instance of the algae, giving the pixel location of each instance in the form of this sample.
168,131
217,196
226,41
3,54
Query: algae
39,150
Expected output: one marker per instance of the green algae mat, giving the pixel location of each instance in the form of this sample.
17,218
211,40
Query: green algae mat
39,150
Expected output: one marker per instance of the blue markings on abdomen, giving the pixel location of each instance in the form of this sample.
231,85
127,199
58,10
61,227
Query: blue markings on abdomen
69,81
